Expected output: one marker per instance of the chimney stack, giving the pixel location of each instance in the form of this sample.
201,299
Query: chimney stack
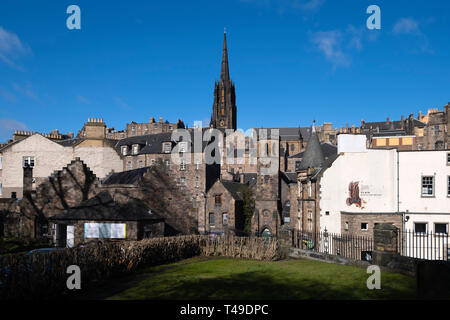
420,115
387,120
27,179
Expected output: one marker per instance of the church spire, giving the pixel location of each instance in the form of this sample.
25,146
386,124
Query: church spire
224,72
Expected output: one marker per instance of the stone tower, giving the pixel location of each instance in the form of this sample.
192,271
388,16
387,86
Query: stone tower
308,175
267,218
224,106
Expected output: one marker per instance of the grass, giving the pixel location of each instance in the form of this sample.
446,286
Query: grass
226,278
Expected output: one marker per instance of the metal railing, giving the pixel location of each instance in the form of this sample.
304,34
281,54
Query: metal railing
346,245
424,245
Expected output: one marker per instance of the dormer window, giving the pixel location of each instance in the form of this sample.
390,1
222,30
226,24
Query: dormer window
136,149
124,150
166,147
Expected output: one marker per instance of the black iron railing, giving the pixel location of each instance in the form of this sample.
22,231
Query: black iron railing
424,245
347,245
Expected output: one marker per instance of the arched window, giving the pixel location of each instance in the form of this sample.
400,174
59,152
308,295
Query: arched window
266,233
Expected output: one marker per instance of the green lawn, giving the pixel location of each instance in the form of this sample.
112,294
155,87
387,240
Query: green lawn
226,278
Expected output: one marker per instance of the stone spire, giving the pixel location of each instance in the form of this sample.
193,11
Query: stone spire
224,72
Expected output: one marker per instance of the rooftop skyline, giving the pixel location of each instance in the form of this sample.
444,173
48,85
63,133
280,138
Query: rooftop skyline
292,62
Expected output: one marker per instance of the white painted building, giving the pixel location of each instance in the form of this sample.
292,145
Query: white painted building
425,190
373,172
386,181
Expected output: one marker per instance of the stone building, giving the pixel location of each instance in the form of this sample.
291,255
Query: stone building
187,167
225,207
134,129
101,219
309,173
158,189
47,154
70,198
426,132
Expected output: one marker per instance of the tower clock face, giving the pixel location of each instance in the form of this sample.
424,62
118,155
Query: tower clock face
222,123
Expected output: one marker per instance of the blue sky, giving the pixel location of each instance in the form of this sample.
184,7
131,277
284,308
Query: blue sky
292,61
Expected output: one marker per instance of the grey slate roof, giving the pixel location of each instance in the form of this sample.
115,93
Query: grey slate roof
235,188
290,133
103,208
327,149
250,179
313,156
152,143
289,177
125,177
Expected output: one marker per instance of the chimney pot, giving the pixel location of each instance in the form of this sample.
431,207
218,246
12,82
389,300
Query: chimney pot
387,120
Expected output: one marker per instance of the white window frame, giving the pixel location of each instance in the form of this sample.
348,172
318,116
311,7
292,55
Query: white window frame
446,228
28,160
135,149
124,150
183,181
426,227
425,195
167,148
182,165
448,186
129,165
366,228
183,147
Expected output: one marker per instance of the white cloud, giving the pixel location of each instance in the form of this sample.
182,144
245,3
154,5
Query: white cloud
8,126
121,103
310,5
330,44
406,26
409,26
26,90
12,48
281,6
83,100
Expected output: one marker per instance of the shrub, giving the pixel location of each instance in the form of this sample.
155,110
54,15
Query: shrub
41,276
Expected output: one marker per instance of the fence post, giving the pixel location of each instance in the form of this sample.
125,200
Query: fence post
385,243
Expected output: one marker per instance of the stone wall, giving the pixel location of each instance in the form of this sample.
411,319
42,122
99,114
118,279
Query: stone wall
354,221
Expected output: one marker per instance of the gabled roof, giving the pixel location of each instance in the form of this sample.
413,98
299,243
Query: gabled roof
235,188
102,207
125,177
